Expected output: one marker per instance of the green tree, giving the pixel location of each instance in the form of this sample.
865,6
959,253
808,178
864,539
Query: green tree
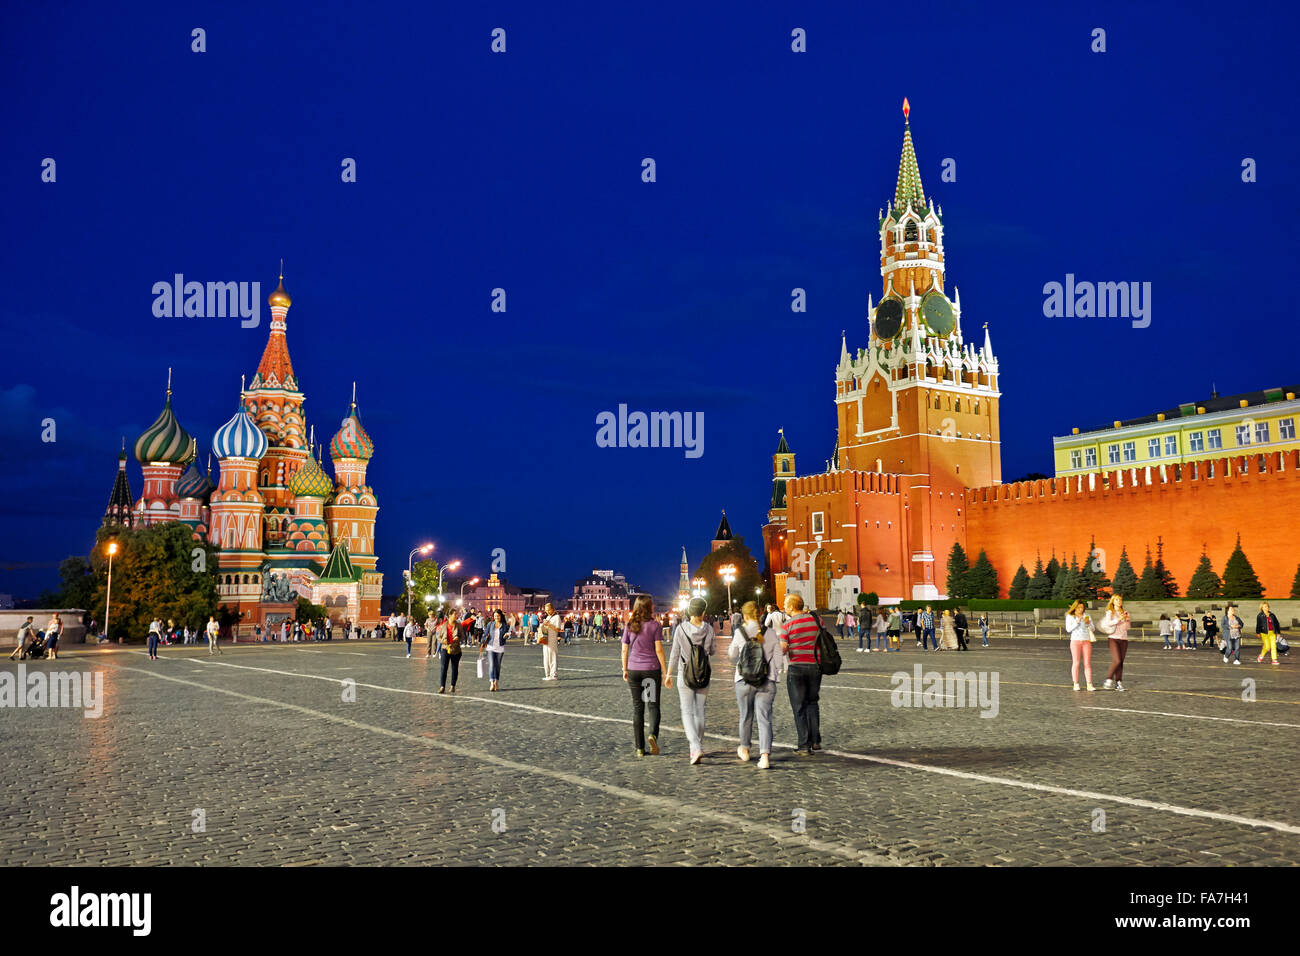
1239,578
160,572
868,599
1067,582
424,575
1126,579
1040,585
1053,569
1204,583
747,582
1295,584
1093,583
1150,587
1166,577
306,611
958,568
982,579
1018,584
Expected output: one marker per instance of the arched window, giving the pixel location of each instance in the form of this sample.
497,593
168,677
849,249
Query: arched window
909,234
936,402
977,407
785,466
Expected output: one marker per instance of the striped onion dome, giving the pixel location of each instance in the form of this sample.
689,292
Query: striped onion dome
165,440
310,481
194,484
239,438
351,440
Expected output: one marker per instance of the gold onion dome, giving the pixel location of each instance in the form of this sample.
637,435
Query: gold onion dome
310,481
279,298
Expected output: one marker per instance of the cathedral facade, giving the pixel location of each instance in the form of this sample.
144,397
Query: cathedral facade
282,527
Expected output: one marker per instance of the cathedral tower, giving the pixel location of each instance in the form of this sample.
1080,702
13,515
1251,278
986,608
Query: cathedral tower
351,513
236,512
163,451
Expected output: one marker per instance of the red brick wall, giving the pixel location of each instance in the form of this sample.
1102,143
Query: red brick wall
1187,509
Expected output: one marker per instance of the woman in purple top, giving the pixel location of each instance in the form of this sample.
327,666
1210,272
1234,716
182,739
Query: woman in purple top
643,669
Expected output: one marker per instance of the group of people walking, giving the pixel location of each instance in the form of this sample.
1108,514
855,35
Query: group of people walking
1179,632
33,643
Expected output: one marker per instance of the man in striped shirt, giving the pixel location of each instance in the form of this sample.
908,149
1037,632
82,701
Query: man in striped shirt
927,629
803,676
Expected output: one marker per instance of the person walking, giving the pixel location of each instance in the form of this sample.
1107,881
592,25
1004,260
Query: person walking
155,635
549,637
692,633
1233,626
926,620
1268,629
214,635
643,670
1115,624
1191,632
839,623
803,676
495,636
756,695
408,633
1177,624
447,632
26,633
1210,628
882,632
1079,626
962,627
773,618
984,629
53,631
949,631
1166,630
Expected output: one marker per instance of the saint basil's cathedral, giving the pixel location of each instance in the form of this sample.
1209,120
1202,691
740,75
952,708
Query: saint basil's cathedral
282,528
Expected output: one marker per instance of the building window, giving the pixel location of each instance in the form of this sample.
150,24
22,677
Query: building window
1130,451
1243,434
1196,441
1076,459
1286,429
909,234
1261,433
819,522
1090,457
1153,447
1112,454
785,466
1216,437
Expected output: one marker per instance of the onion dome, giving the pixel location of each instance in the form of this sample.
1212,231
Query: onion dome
351,440
310,481
279,297
239,438
194,484
165,441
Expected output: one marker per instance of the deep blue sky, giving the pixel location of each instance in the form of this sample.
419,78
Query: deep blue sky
523,171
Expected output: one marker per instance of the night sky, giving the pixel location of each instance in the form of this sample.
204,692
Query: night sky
523,171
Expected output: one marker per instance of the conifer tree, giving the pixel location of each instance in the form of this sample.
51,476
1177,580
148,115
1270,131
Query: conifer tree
958,568
1040,585
1021,581
1239,579
982,579
1126,580
1150,587
1053,569
1295,583
1092,575
1167,582
1204,583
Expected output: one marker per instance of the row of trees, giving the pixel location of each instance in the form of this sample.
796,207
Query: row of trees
967,581
1087,580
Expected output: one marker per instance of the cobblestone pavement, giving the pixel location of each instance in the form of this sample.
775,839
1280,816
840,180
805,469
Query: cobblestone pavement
1178,769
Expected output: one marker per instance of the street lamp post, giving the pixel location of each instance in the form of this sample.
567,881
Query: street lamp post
468,584
410,584
449,567
728,572
108,598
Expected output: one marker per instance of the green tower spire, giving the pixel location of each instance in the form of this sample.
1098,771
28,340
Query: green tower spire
908,191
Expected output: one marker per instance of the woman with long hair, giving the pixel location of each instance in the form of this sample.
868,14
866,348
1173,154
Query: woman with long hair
754,694
947,632
1079,626
1115,624
1232,628
493,644
1268,628
447,634
643,669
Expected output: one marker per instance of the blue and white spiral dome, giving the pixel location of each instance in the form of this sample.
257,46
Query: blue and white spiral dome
239,438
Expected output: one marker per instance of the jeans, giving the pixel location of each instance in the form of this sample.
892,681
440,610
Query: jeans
928,638
860,640
750,699
882,641
494,664
985,630
454,660
645,687
408,646
805,681
692,702
1233,651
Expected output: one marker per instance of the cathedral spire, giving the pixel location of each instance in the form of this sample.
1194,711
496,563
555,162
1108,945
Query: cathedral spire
909,191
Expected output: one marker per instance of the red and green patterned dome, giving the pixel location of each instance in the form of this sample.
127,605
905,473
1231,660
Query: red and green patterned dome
164,441
351,440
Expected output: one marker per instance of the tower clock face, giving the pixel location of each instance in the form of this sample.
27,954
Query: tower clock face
937,314
889,318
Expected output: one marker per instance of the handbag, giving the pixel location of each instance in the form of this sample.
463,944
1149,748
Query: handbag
480,667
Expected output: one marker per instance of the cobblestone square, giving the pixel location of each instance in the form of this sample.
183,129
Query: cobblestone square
256,758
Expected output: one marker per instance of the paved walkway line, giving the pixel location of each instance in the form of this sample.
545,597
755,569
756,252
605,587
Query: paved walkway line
661,804
1161,713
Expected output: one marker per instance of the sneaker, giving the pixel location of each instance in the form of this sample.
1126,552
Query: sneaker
654,746
803,753
442,690
1237,662
1277,663
1108,683
743,753
695,758
1076,686
815,747
858,649
1225,658
1091,688
1260,659
640,754
1118,685
763,762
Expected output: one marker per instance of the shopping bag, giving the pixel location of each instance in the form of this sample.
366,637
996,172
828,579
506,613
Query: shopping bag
481,669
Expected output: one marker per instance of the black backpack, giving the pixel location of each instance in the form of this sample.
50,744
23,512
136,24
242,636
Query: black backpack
695,665
752,662
827,651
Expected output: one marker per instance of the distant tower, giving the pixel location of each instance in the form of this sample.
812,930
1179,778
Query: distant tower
351,513
775,550
163,451
723,535
118,512
684,583
236,510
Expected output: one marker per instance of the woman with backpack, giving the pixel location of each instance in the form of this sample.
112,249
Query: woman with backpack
692,648
447,633
757,657
643,669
